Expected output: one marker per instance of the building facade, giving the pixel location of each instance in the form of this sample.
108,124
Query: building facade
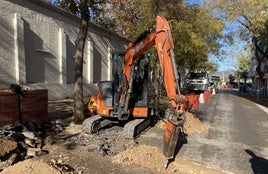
38,44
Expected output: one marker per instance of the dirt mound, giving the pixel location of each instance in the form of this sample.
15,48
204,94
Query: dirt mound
151,158
194,125
191,126
30,167
144,156
6,146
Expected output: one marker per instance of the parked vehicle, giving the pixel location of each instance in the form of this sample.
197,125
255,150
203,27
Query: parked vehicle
197,81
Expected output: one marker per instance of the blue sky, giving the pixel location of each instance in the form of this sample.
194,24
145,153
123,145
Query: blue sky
231,52
198,2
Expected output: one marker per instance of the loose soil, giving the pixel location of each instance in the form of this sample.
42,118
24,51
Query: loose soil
107,152
6,146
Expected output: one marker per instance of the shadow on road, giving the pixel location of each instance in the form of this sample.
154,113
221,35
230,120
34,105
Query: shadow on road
259,165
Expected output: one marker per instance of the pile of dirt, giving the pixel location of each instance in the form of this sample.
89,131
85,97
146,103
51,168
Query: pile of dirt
30,166
144,156
151,158
6,146
192,124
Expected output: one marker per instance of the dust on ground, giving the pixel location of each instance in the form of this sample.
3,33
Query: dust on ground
106,152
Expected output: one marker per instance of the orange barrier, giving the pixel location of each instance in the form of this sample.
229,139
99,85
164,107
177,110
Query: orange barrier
206,95
196,102
191,99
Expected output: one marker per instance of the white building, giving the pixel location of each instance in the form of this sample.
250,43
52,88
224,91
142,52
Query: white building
37,48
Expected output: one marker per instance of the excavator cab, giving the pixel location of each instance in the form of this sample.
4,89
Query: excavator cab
109,90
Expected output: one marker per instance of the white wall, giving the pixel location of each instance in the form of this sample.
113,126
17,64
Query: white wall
37,48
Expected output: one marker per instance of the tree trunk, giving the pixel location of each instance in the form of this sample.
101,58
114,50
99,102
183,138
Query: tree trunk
79,51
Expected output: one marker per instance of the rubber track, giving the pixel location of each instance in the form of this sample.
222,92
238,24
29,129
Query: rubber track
131,128
91,120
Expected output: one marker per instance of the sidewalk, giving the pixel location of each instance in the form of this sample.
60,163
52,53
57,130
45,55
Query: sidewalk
262,100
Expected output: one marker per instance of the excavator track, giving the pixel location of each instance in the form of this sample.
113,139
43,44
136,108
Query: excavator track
135,127
92,124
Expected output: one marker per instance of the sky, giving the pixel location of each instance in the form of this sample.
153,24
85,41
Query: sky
198,2
231,51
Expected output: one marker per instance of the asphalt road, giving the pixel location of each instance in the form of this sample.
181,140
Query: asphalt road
238,139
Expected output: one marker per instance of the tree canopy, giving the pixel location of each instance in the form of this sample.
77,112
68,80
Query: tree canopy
252,15
195,31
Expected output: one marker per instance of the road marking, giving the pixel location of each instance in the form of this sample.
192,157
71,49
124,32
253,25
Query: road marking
265,109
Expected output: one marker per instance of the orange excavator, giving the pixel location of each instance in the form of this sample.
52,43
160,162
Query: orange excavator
144,88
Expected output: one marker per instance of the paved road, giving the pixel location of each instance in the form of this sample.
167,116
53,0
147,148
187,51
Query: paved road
238,139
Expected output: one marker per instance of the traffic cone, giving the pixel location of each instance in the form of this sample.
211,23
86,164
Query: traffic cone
213,91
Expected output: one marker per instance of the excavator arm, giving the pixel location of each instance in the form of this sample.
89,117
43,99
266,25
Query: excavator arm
163,42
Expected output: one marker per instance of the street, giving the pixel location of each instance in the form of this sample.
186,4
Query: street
237,141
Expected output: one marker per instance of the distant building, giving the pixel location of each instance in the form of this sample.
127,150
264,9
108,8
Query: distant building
38,43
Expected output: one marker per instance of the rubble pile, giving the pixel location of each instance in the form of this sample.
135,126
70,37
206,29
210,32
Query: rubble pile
26,140
106,142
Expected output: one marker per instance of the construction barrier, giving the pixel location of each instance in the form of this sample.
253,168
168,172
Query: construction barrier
31,105
201,98
9,107
191,99
206,95
196,102
213,91
34,105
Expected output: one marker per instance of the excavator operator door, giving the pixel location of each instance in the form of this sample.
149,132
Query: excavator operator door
139,75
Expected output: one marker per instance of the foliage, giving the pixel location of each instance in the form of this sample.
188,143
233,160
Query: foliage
196,37
243,66
195,31
243,62
253,16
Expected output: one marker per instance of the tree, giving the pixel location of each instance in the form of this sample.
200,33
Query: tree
196,37
79,50
195,31
243,66
253,17
87,10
